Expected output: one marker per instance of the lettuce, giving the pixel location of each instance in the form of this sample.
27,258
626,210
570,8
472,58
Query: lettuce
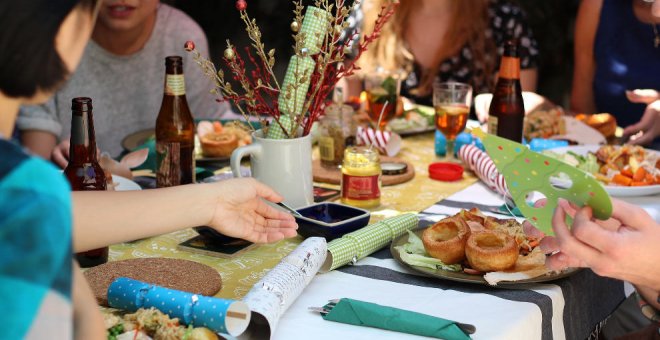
414,254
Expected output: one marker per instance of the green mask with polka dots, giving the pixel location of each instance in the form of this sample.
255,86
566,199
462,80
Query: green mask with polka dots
530,175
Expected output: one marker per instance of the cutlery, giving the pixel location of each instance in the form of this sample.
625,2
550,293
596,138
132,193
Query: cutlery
288,208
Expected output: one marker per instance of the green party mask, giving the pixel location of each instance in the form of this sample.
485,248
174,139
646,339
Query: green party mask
527,172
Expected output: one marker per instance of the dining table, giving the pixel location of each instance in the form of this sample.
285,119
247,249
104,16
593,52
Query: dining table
572,307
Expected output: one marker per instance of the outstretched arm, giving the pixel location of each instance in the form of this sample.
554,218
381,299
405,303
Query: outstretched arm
235,208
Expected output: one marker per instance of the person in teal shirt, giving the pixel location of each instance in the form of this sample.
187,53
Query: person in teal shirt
42,223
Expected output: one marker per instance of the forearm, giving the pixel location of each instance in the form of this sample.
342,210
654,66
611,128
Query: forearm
88,321
40,143
528,78
105,218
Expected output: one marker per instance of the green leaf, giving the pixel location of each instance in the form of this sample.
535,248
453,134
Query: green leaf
389,84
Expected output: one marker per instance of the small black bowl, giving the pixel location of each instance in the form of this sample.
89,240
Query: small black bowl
330,220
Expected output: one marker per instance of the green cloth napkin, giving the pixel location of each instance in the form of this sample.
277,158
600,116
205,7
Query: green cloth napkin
361,243
368,314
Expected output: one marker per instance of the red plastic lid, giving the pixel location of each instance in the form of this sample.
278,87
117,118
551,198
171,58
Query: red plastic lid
446,172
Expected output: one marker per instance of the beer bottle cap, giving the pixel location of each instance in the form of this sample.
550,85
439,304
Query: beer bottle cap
446,172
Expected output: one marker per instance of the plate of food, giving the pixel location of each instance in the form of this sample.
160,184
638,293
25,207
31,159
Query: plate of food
214,140
627,170
475,248
416,119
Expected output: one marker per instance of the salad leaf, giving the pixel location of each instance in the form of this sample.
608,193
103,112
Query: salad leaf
414,254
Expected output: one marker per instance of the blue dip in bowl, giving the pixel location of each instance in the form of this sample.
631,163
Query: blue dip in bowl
330,220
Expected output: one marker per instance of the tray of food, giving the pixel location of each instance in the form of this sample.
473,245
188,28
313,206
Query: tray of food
475,248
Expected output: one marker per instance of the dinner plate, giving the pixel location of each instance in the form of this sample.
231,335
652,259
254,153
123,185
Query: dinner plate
613,190
463,277
124,184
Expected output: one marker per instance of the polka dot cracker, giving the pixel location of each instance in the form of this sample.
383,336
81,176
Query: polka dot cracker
531,177
220,315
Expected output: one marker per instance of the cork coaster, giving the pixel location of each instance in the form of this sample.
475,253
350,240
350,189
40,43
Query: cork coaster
184,275
333,176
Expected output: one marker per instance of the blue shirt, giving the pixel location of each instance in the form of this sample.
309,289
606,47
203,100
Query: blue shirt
626,59
35,247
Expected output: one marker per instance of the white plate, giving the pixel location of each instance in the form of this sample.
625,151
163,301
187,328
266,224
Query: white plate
124,184
613,190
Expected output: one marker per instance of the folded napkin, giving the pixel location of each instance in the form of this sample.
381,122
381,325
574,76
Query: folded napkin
220,315
359,244
361,313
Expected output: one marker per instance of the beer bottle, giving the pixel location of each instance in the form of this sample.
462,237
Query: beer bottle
175,136
83,171
507,112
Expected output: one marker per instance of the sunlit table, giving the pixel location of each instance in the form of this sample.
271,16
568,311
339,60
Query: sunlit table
568,308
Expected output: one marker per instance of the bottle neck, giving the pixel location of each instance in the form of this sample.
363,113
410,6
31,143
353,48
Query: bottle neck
509,68
175,84
83,140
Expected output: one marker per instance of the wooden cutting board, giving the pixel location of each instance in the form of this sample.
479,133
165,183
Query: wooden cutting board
333,176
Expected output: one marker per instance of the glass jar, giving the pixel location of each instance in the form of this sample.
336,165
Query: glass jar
360,180
333,134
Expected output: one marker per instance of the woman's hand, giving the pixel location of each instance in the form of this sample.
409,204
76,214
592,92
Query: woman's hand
623,247
648,128
240,211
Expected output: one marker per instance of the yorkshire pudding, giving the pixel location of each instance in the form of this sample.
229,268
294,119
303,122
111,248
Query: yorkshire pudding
490,251
446,239
218,144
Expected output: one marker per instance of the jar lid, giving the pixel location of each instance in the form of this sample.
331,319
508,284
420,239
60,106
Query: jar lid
446,172
393,168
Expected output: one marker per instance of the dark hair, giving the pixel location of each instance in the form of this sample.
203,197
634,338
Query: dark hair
28,58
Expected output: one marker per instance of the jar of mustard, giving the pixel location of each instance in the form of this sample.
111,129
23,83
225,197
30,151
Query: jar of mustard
360,180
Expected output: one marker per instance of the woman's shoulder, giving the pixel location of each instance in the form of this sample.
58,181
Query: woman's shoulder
502,12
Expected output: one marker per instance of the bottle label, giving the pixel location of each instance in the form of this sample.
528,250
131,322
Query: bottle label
175,164
510,68
78,130
175,85
327,148
492,125
360,187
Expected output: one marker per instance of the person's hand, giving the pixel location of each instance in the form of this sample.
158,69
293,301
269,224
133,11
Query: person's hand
623,247
60,154
240,211
648,128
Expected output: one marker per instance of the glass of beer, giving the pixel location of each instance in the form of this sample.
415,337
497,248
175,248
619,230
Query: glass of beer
382,88
451,101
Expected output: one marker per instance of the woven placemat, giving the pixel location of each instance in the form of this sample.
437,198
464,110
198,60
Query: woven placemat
184,275
333,176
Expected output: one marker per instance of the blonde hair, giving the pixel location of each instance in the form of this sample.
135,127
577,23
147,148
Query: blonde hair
469,20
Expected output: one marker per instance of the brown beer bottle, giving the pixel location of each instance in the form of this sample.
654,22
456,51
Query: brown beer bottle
175,136
83,171
507,111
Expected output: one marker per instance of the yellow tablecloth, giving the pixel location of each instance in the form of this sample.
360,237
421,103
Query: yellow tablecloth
239,274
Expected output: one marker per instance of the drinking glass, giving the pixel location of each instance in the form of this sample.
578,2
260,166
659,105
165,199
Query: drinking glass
382,87
451,101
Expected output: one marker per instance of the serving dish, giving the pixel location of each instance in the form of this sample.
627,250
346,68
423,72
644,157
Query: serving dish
330,220
462,276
